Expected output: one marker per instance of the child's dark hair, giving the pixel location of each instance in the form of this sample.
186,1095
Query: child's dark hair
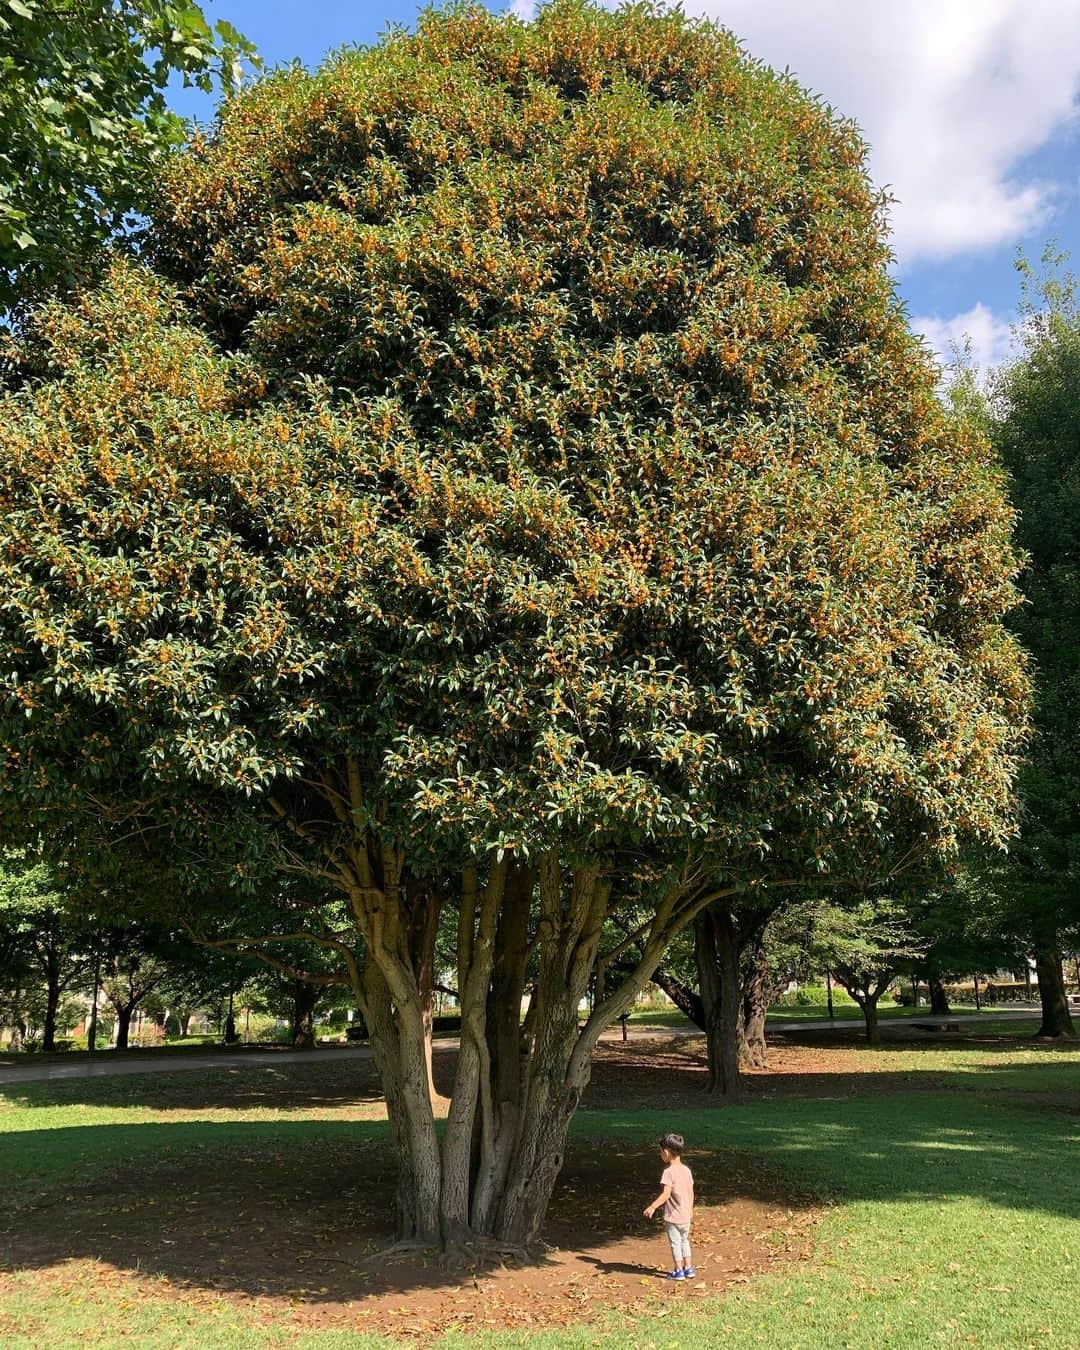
672,1142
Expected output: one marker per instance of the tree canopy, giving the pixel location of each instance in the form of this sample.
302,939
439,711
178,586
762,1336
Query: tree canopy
515,487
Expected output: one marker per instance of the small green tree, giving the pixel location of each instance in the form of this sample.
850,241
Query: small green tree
83,120
865,945
131,971
44,948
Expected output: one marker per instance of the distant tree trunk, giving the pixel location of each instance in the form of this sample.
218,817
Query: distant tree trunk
423,930
757,994
91,1034
231,1036
123,1025
866,990
305,997
52,1007
18,1027
939,999
870,1016
1056,1019
717,953
183,1021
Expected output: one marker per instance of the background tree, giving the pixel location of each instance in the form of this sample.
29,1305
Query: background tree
521,486
83,120
1036,429
297,998
865,945
960,926
131,971
45,949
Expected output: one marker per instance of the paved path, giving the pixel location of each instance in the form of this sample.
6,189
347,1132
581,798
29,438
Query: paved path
108,1063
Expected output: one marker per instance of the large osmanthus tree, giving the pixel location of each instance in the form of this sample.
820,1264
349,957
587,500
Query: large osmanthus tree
515,495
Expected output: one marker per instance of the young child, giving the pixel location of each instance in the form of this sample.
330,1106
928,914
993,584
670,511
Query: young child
677,1199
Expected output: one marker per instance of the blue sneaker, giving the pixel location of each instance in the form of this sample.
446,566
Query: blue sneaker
689,1273
675,1275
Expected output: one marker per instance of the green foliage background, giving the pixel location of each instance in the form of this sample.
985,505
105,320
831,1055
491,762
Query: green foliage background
83,120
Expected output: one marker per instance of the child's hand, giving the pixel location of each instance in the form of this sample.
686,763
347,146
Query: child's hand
648,1211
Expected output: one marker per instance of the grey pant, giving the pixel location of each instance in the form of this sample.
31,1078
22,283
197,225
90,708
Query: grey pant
679,1237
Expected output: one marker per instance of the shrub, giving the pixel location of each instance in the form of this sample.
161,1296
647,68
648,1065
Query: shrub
814,996
148,1036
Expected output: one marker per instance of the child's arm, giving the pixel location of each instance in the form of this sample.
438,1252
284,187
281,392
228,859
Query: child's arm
661,1199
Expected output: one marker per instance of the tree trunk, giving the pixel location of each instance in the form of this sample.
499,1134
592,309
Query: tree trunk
506,1043
425,909
939,999
183,1021
1056,1019
870,1014
302,1030
52,1007
687,1000
18,1030
123,1026
717,955
757,993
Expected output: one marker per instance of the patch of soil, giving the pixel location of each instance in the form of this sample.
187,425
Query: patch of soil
302,1236
672,1071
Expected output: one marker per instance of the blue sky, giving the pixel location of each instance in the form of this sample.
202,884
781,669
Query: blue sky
971,108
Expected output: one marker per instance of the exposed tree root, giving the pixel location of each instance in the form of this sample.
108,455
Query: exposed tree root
479,1252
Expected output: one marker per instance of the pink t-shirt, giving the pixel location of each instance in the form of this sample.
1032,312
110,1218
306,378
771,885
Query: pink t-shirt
679,1206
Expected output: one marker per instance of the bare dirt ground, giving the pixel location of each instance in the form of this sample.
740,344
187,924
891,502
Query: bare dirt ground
307,1234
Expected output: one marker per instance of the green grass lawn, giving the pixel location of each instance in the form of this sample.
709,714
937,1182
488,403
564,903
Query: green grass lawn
952,1215
842,1012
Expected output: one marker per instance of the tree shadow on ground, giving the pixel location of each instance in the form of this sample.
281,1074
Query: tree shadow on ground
302,1087
286,1210
667,1071
301,1208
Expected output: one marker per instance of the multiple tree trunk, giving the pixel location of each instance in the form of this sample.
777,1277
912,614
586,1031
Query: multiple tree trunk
516,1086
528,934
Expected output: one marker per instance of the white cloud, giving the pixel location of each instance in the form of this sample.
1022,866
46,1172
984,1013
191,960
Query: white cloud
524,9
951,95
990,336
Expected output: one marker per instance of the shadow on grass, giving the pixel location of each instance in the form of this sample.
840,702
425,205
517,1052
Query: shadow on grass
1009,1152
300,1209
308,1086
273,1207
